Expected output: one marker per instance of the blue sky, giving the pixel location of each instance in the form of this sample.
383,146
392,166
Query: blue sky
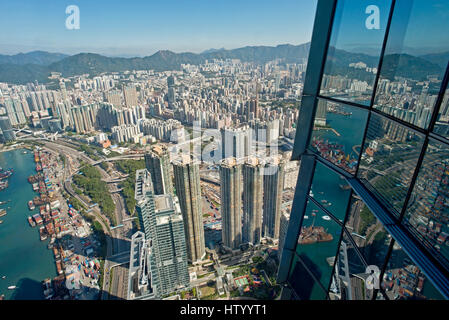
141,27
419,26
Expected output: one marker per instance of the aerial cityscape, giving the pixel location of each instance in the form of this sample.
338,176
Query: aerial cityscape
315,169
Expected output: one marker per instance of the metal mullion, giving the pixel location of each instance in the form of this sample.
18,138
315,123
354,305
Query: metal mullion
376,82
316,90
439,138
410,126
442,93
349,103
348,207
299,205
334,218
414,178
311,275
326,52
335,259
384,267
330,165
356,247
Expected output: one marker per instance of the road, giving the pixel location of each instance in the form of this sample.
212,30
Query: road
117,240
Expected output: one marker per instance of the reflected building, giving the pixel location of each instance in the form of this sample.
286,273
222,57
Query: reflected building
7,130
382,158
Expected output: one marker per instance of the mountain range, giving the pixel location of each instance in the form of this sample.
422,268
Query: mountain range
20,70
37,65
42,58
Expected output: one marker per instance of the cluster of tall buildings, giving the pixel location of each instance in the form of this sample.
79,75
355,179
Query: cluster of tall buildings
251,199
162,267
170,216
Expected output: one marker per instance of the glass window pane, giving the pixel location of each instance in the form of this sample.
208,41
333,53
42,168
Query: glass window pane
355,47
381,295
442,124
368,233
331,190
414,65
428,208
318,243
304,285
389,158
403,280
348,281
335,137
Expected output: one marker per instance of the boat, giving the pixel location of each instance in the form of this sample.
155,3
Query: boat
1,221
42,234
3,277
3,184
31,222
306,217
2,212
345,187
4,174
12,287
31,205
327,218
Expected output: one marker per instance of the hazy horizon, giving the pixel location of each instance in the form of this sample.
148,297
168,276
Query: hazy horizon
141,28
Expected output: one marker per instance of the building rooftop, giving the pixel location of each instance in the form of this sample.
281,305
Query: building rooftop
143,184
139,275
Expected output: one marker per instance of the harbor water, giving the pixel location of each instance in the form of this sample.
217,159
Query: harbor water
24,259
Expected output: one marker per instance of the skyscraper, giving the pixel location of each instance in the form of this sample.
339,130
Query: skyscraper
7,130
130,94
273,186
252,201
321,113
283,226
141,284
157,162
188,189
113,97
236,142
231,202
161,220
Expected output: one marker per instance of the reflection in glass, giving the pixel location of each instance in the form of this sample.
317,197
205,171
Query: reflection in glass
331,190
306,286
403,280
338,133
414,64
354,50
428,208
318,242
442,124
389,158
348,281
368,233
